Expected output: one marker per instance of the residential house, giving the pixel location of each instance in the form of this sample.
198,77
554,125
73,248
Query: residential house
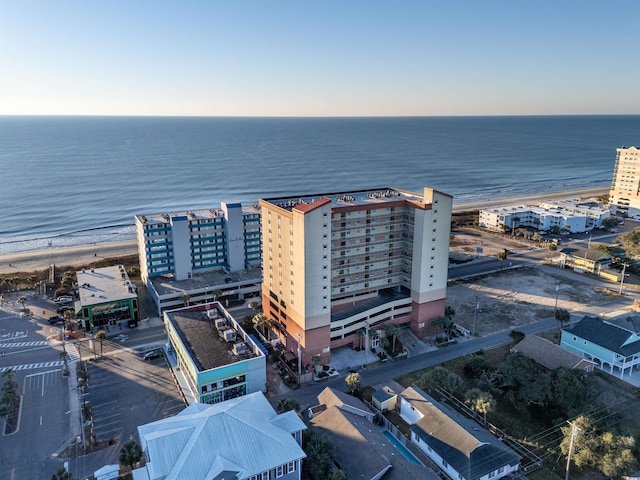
588,260
612,347
550,355
240,439
360,447
458,445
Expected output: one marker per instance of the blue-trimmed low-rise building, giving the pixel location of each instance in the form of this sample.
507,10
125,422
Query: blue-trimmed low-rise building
217,357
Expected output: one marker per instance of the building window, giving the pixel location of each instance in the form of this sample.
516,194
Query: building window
291,467
279,471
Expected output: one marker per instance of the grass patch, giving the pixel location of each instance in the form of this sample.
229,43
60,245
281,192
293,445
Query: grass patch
367,392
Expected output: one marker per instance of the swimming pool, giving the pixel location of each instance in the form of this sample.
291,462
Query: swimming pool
401,448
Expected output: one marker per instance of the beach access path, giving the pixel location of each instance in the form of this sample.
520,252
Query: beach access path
78,256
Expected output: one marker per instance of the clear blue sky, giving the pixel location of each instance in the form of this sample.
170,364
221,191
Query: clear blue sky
325,57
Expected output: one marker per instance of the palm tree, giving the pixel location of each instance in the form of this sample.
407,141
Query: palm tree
62,474
354,382
514,221
68,316
393,330
101,336
23,300
480,402
255,306
185,297
502,256
130,454
262,322
562,315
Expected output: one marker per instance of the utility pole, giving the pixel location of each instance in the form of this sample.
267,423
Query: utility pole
624,268
574,434
475,313
299,337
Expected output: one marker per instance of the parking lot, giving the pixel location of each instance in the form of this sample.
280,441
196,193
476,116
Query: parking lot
125,391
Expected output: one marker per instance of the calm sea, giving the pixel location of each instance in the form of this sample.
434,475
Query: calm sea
77,180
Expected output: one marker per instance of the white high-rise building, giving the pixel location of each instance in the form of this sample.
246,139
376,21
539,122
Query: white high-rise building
624,197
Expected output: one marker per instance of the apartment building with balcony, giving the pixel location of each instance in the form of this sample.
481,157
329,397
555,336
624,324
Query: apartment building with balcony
624,196
570,215
199,252
336,265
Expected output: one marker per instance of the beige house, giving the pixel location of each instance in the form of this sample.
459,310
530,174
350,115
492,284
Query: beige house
588,260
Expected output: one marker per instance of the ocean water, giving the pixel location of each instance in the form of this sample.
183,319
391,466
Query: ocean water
78,180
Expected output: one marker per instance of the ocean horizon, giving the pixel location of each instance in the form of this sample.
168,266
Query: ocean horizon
79,180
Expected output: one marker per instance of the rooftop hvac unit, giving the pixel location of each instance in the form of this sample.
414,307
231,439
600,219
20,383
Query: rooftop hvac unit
229,335
221,324
239,349
211,314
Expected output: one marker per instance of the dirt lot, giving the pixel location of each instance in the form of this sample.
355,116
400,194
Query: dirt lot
513,297
516,297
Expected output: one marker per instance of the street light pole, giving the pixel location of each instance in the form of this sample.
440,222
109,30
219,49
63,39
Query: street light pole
366,341
557,289
206,294
299,337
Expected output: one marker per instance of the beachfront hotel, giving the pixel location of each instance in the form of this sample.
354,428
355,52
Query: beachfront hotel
204,253
624,197
570,215
338,266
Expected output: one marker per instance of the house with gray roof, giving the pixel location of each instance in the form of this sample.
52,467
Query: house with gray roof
458,445
240,439
550,355
612,347
360,447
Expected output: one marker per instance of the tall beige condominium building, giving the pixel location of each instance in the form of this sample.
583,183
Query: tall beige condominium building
339,266
624,197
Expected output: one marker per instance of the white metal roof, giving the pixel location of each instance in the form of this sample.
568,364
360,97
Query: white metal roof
243,435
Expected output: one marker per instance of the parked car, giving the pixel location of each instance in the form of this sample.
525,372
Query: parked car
56,319
64,299
153,354
64,309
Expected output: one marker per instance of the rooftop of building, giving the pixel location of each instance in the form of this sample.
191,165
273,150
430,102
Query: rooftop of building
203,340
361,448
210,281
104,285
375,196
547,353
238,438
561,207
195,214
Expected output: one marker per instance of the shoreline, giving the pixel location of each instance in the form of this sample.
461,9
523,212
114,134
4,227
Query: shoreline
33,260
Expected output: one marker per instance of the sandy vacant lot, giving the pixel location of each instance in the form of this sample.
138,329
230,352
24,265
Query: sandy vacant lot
516,297
511,298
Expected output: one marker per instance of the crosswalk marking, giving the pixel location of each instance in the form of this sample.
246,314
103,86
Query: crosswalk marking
24,344
32,366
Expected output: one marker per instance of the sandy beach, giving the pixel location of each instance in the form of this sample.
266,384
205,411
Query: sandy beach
75,256
82,255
